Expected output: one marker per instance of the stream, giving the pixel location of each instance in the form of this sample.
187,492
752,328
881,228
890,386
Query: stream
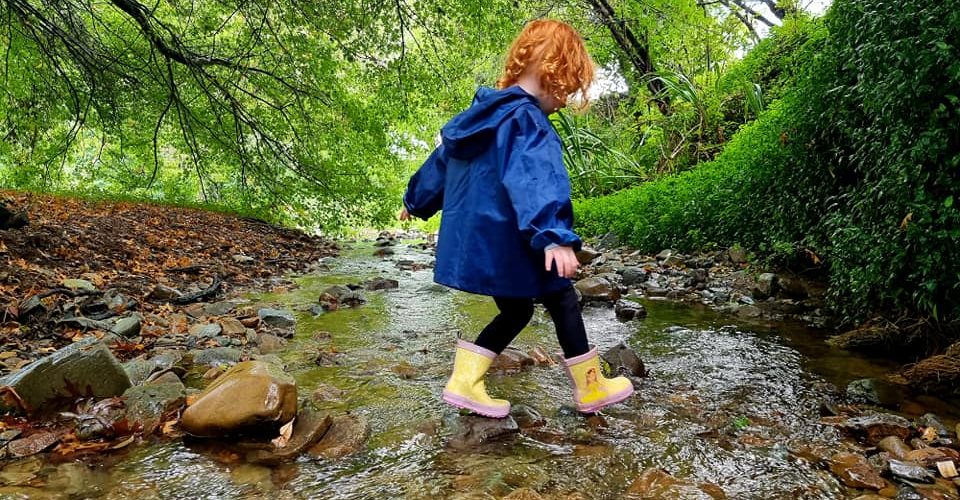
727,404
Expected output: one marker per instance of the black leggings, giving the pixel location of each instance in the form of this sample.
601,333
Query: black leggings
515,313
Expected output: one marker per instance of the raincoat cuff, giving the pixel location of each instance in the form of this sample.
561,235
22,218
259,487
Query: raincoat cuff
411,210
559,237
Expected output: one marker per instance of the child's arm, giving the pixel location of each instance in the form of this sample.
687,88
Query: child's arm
537,183
424,196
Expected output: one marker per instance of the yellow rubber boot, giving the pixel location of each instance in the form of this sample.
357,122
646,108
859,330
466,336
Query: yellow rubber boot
591,390
465,389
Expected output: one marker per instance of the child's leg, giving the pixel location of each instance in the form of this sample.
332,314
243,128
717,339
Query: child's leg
514,315
565,311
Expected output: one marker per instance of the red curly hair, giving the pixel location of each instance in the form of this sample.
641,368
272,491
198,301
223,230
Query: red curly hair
564,66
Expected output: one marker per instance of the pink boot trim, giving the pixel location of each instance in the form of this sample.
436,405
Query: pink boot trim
487,411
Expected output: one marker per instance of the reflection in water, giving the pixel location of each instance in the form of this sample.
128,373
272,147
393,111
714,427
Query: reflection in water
724,405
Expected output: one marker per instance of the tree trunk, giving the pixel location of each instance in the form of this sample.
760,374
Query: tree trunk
636,53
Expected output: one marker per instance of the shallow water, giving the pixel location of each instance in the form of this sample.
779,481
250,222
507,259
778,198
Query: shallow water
724,405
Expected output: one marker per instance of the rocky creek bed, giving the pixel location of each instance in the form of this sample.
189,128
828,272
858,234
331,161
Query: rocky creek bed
119,384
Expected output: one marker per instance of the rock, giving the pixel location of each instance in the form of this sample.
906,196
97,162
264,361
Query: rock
876,392
510,361
895,447
627,310
633,276
624,361
86,368
253,396
527,417
854,471
242,259
871,429
664,254
147,405
737,255
162,293
77,284
523,494
216,356
933,423
165,377
32,444
308,428
127,327
765,286
270,343
597,289
910,471
382,284
672,261
587,255
277,317
347,435
140,369
699,276
405,370
749,311
219,308
232,326
541,357
656,483
325,394
472,431
792,286
928,457
206,330
608,241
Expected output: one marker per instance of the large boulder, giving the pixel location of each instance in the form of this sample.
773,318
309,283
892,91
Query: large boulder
84,369
251,397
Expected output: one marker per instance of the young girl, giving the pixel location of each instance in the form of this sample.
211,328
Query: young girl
507,220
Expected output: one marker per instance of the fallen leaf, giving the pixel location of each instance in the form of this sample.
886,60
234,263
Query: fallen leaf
285,432
32,444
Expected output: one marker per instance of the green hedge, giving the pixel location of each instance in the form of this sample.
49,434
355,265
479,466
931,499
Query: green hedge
859,163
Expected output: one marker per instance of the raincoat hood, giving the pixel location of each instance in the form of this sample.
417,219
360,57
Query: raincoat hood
471,132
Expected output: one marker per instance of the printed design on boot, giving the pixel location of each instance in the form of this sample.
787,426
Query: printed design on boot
594,391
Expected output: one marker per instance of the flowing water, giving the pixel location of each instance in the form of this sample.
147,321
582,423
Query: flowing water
725,404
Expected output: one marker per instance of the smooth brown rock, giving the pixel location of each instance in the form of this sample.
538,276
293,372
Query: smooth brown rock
252,396
510,361
655,483
854,471
895,446
309,427
347,435
523,494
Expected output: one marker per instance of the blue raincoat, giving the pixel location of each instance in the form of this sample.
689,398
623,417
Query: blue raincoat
499,178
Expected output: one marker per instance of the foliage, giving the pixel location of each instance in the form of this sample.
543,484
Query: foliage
855,164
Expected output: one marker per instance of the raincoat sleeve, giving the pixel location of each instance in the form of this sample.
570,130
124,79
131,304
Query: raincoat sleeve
424,196
537,183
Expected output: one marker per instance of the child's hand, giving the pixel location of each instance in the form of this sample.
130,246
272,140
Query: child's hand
404,215
565,259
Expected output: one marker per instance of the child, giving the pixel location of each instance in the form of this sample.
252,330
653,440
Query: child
499,178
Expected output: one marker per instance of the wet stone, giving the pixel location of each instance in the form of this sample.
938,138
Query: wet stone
854,471
277,317
148,404
627,310
624,361
326,394
219,308
597,289
895,446
527,417
471,431
382,284
910,471
232,326
871,429
308,427
511,361
253,396
876,392
347,435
